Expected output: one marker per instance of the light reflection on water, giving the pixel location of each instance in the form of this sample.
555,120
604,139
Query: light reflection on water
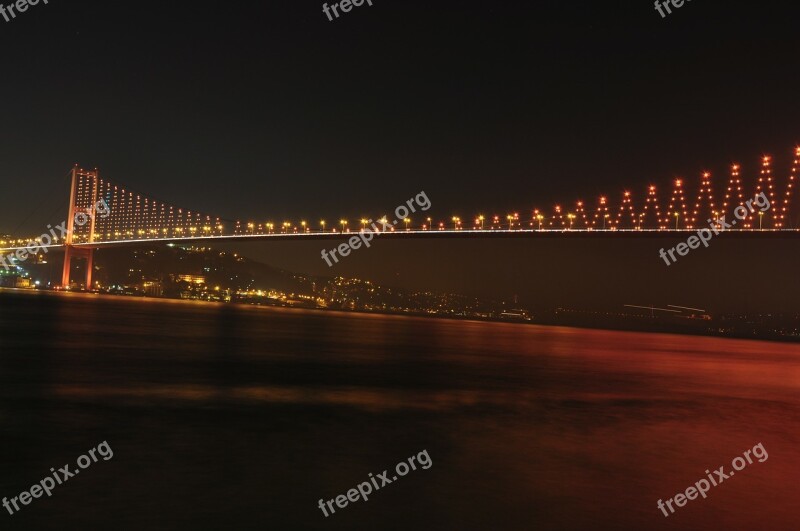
235,415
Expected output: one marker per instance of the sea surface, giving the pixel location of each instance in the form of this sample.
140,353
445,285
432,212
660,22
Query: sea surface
237,417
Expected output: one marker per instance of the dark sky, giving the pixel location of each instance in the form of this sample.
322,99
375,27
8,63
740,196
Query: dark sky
264,109
268,109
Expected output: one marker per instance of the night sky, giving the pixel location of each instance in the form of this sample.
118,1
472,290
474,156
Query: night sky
267,110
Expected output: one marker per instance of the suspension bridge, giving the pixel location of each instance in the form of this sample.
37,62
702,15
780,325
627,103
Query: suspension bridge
130,217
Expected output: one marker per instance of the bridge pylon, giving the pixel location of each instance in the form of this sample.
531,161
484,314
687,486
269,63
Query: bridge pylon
70,251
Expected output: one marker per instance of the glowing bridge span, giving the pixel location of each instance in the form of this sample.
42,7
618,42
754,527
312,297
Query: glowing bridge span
127,217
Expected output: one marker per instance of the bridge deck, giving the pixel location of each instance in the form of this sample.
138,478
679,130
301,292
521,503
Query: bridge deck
466,233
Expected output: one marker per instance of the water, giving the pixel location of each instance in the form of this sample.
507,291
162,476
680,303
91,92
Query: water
237,417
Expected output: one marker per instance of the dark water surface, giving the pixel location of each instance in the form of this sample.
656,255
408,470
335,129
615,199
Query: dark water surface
234,417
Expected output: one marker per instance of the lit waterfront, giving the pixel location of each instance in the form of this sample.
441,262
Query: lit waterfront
528,426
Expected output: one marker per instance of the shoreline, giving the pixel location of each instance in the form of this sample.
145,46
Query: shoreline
650,327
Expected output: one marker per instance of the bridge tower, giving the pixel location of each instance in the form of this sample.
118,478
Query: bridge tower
70,251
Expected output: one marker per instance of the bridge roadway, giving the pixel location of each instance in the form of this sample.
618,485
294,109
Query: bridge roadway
447,233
